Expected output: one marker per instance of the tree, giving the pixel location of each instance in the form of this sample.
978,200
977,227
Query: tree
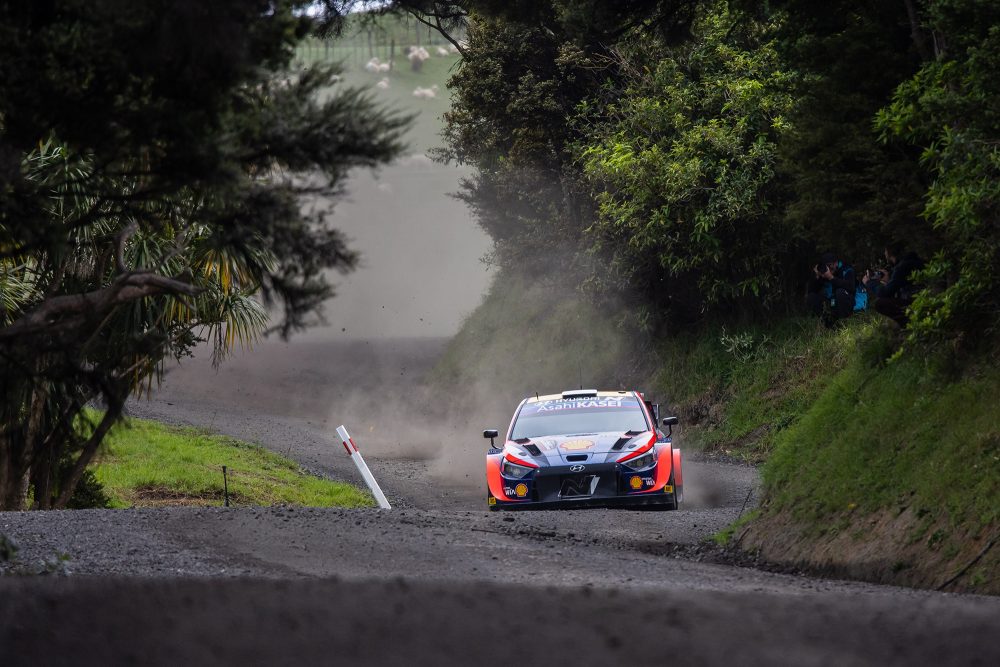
950,110
152,159
525,69
844,189
682,164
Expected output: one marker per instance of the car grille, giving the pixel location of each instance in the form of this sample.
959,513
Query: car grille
560,483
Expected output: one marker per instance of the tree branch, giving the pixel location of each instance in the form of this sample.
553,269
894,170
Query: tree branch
67,311
436,26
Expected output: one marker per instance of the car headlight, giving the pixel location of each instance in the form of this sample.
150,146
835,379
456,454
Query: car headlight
641,462
513,470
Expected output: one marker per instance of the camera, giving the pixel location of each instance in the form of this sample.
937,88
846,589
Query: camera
877,274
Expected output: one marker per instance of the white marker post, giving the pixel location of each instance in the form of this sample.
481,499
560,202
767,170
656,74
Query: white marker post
359,461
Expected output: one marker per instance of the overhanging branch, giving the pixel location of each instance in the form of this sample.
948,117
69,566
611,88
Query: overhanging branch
65,312
436,25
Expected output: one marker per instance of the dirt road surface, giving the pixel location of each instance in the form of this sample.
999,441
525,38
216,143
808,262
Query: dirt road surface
437,580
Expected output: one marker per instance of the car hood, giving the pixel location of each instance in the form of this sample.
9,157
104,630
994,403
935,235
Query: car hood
555,450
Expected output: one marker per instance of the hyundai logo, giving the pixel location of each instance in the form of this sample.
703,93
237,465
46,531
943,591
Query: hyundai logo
577,468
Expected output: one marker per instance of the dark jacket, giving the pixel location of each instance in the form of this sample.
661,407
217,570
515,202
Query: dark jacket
843,279
900,286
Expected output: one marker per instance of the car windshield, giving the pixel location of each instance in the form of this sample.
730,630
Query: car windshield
576,416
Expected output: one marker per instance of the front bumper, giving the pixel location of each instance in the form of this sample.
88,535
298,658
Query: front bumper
600,485
660,501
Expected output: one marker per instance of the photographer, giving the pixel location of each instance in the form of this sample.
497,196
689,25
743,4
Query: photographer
833,285
894,290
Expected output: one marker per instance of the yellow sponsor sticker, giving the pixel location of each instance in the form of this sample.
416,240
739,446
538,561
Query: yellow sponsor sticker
521,490
635,482
668,489
491,501
577,445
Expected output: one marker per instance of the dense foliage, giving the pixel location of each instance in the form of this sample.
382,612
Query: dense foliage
682,163
951,110
695,158
153,156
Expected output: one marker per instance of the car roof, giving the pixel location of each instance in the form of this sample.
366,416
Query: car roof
559,397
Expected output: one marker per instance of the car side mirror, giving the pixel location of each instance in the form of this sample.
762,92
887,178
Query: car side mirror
491,433
670,423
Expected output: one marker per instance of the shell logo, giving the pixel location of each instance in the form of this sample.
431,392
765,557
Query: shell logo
521,490
635,482
577,445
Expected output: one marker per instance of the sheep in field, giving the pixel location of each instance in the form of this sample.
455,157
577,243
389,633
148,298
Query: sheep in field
425,93
417,55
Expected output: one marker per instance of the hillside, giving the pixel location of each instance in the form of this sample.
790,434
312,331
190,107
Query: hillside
387,40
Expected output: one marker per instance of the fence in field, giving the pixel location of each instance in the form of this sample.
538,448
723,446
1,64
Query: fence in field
359,44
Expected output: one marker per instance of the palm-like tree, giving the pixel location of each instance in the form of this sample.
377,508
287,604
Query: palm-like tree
47,441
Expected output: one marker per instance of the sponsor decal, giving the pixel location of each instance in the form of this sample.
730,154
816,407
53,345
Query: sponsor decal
648,481
577,445
491,501
668,489
508,490
613,402
521,490
578,404
635,482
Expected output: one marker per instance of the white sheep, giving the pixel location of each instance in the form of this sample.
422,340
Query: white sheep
383,84
372,65
425,93
417,55
441,51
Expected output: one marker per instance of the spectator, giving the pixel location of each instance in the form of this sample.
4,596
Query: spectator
830,294
894,289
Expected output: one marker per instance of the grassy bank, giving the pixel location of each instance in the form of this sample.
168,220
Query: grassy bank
892,474
882,471
736,390
877,470
148,464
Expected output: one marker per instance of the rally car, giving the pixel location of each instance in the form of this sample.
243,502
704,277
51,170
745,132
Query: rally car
584,448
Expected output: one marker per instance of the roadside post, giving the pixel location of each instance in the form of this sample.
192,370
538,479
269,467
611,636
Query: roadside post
359,461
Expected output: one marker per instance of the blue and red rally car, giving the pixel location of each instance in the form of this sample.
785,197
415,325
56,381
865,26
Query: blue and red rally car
584,448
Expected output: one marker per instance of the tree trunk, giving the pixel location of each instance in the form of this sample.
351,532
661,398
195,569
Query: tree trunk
36,410
919,39
87,455
9,500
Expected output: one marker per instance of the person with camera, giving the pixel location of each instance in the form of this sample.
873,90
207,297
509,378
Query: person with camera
830,293
894,290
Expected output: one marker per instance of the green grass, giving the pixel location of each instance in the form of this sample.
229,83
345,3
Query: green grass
899,437
737,389
351,52
146,463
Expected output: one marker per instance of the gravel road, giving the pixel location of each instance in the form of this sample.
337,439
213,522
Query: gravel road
437,580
